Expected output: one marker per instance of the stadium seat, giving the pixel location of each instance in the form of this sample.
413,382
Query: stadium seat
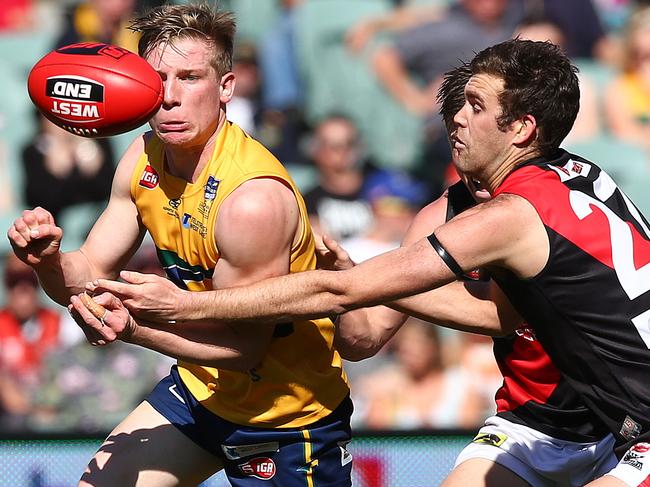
336,80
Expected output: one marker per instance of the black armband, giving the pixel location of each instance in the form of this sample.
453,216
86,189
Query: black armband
445,256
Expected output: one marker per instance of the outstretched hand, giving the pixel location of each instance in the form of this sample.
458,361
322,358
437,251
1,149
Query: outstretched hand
115,322
34,236
146,296
330,255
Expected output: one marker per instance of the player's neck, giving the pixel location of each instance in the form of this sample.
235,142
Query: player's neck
499,174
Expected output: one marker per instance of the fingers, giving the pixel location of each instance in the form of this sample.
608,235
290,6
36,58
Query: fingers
133,277
32,225
96,309
120,289
96,332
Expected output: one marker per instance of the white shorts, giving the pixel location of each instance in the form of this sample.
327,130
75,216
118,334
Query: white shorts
634,467
539,459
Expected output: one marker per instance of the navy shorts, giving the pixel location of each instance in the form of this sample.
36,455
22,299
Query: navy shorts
311,456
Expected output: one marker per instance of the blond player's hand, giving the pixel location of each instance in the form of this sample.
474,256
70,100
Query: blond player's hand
146,296
103,318
34,236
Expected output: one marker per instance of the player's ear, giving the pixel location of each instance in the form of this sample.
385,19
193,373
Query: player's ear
525,130
227,87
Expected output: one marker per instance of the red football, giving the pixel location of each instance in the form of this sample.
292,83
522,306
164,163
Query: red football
95,89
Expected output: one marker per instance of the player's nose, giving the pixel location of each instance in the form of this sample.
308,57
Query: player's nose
171,96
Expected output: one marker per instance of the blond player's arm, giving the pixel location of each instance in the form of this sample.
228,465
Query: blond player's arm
255,231
111,242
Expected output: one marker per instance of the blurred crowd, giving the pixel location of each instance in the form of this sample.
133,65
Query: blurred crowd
343,93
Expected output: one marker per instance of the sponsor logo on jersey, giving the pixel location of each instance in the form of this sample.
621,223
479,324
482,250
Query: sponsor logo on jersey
191,223
204,208
171,207
633,459
262,468
577,167
527,333
241,451
149,178
492,439
630,429
211,186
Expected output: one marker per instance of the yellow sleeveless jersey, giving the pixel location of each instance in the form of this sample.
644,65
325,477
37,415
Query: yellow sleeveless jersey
300,379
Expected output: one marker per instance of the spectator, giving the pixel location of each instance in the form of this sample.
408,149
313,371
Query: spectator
65,170
417,391
585,38
16,15
394,198
88,390
336,205
627,102
589,121
100,21
244,108
28,331
281,87
412,67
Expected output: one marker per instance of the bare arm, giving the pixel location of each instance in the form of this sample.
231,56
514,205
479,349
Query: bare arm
255,230
396,19
459,305
36,239
505,232
392,73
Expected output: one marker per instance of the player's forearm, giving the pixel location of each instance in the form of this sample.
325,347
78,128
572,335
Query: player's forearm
63,275
455,306
202,343
361,333
305,295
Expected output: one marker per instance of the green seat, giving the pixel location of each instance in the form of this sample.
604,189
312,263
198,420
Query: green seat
628,164
18,53
336,80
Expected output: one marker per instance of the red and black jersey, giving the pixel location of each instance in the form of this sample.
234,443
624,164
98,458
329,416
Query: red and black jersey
590,305
533,391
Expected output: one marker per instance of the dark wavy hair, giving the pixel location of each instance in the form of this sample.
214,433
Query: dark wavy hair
538,80
451,94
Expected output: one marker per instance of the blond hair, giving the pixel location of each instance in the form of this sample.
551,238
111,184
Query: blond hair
164,24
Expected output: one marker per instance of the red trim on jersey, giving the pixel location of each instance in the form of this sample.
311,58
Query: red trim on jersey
567,223
528,374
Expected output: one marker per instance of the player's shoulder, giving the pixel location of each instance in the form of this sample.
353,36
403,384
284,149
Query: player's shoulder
131,156
504,211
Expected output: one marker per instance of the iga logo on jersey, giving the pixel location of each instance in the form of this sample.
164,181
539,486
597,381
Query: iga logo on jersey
149,178
260,468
